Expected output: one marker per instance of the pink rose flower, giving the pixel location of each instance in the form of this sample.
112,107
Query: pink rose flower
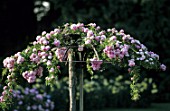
163,67
56,42
96,63
131,62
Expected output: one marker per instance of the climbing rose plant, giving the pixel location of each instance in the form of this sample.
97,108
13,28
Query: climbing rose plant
98,46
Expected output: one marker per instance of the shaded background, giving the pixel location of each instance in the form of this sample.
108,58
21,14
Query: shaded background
146,20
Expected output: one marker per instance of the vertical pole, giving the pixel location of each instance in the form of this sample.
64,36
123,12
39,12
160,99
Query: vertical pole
81,90
72,82
81,85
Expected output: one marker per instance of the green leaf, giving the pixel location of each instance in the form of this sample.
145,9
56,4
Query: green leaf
4,71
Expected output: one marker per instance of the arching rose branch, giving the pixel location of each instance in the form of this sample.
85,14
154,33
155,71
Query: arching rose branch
100,47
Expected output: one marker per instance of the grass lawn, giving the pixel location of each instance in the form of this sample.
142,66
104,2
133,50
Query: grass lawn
154,107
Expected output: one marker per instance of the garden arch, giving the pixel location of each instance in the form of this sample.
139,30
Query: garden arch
77,43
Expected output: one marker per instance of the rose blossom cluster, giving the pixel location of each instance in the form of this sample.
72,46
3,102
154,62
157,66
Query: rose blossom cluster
143,55
30,76
120,49
60,53
30,99
47,41
141,52
95,63
77,26
19,58
5,93
9,63
91,36
44,38
7,90
117,51
34,58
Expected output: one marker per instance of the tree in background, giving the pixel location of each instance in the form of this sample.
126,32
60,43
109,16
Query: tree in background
17,25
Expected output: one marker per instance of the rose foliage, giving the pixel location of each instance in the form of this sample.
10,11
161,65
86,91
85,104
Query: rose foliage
100,48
